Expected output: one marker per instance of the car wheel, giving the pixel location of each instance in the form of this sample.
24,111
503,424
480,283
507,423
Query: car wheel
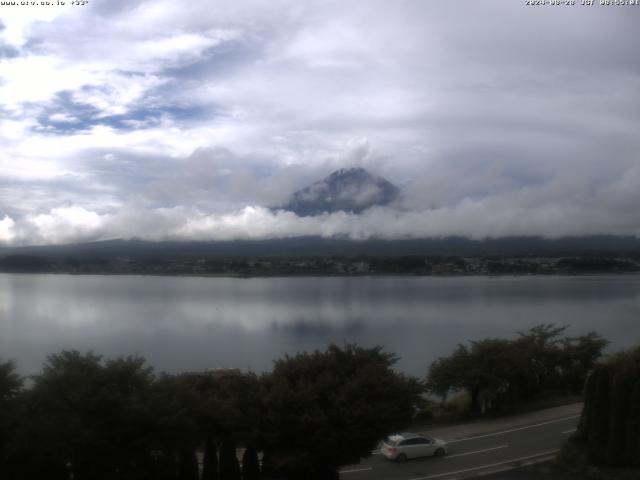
401,458
439,453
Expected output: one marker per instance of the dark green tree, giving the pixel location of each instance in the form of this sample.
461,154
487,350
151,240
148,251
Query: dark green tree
632,434
587,419
92,415
556,363
250,464
10,382
210,460
541,346
601,411
10,390
447,374
580,356
166,465
188,464
328,409
178,412
229,466
487,369
230,403
499,373
609,430
269,469
621,385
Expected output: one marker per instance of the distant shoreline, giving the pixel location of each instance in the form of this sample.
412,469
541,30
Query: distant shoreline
325,275
336,265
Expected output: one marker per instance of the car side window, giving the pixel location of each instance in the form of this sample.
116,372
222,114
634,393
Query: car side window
422,441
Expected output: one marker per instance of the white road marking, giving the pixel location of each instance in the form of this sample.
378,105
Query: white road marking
354,470
569,431
487,466
513,429
375,452
477,451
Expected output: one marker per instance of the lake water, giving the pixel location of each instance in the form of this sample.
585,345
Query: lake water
192,323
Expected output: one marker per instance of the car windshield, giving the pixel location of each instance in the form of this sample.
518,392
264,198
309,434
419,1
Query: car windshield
390,442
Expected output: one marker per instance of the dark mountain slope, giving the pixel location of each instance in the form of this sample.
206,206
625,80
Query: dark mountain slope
316,246
349,190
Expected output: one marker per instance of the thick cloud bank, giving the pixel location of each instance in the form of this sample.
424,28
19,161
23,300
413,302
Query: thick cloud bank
159,120
471,218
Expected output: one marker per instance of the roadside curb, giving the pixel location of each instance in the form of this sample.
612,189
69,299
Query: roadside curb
546,458
483,427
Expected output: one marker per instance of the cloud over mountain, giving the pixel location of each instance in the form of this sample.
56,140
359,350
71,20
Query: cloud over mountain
188,121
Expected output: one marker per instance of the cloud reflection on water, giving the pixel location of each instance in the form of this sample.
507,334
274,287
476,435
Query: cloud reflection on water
187,323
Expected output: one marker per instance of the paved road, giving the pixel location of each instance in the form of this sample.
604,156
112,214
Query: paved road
483,453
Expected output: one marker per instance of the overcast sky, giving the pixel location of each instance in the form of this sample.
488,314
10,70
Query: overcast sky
186,119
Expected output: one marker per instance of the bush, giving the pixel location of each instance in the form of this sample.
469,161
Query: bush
609,430
424,415
573,456
328,409
499,374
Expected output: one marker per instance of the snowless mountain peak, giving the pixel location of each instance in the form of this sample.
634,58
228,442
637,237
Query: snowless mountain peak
350,190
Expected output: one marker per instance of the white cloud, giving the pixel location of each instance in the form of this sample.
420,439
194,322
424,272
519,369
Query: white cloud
519,212
59,225
145,114
18,20
36,78
7,234
63,118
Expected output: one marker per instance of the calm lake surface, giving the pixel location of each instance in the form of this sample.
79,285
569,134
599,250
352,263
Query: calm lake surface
191,323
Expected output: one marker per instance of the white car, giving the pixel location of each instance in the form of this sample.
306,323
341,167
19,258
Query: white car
402,446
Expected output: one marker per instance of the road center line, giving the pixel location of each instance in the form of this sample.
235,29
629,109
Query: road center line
569,431
487,466
354,470
477,451
514,429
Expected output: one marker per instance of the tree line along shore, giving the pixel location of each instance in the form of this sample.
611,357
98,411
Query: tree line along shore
88,417
321,265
